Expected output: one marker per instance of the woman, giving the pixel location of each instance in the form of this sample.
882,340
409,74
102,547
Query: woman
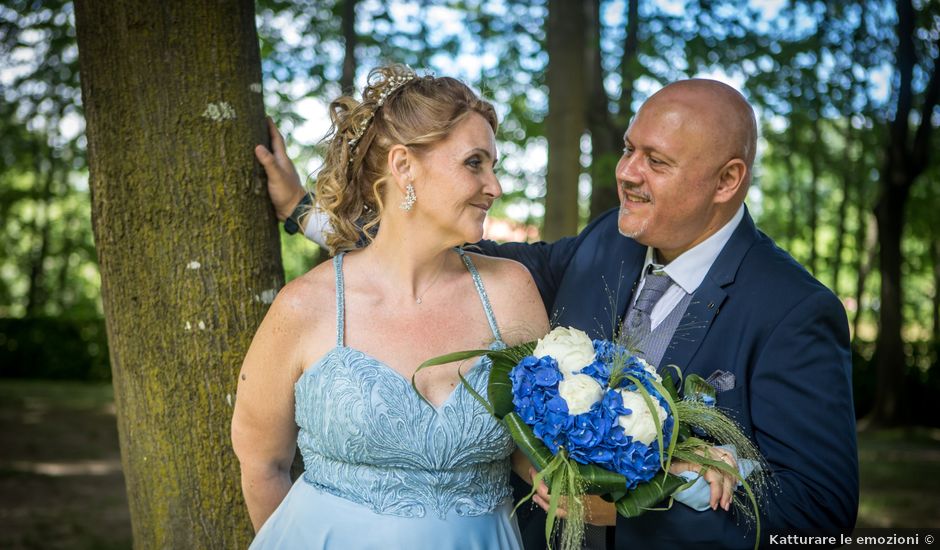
382,467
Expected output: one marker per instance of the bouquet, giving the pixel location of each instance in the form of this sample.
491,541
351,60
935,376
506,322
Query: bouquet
594,418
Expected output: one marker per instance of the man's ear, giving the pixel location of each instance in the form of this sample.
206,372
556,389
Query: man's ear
401,166
732,180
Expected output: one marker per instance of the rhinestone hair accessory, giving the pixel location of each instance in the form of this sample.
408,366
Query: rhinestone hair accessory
392,84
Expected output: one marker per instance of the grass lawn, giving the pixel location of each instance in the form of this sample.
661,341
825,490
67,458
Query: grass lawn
61,484
900,475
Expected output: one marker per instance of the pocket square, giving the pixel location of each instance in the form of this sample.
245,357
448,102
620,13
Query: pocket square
721,380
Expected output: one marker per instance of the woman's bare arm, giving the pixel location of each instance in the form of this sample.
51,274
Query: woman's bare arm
264,434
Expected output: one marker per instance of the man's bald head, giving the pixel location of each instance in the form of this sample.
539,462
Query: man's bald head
720,113
686,168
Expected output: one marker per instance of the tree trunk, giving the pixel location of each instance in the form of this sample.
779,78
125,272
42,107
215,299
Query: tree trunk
792,184
847,180
37,292
604,139
905,160
867,233
935,317
187,244
565,123
607,131
889,212
347,81
814,193
629,63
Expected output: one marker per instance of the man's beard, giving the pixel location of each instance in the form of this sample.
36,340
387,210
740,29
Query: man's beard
625,211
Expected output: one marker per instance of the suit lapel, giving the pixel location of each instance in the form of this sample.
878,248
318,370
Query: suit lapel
709,297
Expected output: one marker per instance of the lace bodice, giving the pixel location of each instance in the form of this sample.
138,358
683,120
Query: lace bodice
366,436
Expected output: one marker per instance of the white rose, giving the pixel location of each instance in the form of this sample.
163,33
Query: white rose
580,392
650,369
640,423
570,347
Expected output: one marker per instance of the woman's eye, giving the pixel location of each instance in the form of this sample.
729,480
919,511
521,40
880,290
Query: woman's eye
474,162
655,161
628,150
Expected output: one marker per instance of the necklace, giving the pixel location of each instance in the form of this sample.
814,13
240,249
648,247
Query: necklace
427,288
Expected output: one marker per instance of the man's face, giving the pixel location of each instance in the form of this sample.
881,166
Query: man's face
667,177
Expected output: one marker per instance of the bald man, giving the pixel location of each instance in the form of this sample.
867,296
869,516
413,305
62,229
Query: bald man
722,301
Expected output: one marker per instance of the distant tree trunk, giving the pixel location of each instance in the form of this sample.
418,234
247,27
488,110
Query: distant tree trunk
629,63
935,318
347,81
867,235
905,160
45,175
793,186
848,177
604,150
607,131
815,161
565,123
187,244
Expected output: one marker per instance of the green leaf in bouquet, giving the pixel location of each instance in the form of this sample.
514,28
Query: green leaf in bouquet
599,481
499,388
677,425
527,442
669,383
645,496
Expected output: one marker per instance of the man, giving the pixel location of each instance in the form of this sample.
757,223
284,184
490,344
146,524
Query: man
728,305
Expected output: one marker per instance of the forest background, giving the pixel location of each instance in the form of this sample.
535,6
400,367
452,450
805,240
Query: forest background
848,178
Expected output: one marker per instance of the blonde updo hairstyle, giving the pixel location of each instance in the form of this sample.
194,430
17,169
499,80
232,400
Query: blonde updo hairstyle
419,113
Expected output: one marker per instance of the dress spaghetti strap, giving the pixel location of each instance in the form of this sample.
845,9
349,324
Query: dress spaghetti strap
478,283
340,298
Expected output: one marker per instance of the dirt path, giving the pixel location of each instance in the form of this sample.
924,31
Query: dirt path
61,484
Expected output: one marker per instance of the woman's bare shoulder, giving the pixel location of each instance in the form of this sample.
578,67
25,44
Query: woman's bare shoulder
302,300
514,296
500,271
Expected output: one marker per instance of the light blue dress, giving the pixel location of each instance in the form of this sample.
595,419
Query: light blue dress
383,469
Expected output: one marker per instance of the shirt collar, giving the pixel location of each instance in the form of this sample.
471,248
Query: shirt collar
690,268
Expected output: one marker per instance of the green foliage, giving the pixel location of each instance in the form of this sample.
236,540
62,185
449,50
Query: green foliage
920,381
821,76
54,348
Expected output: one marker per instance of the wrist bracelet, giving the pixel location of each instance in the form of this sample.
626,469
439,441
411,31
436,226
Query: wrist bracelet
292,223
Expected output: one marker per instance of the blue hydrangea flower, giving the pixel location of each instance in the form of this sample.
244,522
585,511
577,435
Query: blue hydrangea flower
593,437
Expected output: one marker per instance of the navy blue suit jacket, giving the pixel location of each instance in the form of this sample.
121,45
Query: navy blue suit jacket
759,315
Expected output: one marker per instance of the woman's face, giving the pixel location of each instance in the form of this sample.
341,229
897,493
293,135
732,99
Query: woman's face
455,182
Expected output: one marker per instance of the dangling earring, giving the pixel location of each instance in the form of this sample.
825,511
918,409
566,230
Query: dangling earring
410,198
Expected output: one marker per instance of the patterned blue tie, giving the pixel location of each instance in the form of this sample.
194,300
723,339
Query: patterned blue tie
655,284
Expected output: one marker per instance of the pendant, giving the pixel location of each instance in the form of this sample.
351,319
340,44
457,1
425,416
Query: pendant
418,301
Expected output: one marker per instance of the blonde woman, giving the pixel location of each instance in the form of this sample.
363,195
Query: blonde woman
330,367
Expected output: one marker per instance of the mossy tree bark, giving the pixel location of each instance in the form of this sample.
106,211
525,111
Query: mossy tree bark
187,243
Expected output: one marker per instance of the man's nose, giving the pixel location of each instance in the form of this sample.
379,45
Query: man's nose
627,168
